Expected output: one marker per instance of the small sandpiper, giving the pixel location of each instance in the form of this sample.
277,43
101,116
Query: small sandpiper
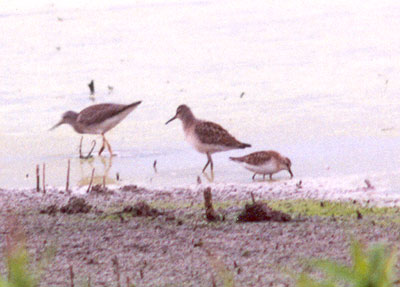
265,162
205,137
97,119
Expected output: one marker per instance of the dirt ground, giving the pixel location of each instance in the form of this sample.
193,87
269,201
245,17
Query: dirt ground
175,245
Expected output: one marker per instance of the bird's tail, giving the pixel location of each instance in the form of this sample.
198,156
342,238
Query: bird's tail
135,104
244,145
238,159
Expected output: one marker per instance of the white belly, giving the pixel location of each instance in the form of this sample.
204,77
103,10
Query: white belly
266,168
202,147
107,124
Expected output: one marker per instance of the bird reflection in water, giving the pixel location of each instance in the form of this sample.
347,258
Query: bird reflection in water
100,177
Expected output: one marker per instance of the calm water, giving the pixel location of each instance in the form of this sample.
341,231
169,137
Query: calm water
321,85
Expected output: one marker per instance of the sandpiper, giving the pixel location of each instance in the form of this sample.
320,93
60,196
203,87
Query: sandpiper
97,119
206,137
265,162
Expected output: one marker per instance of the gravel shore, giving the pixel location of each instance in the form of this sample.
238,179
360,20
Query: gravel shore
177,246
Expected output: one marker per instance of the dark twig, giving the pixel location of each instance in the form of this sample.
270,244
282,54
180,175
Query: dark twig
211,215
44,178
110,89
80,147
155,166
68,170
37,178
91,87
252,198
71,274
91,181
369,185
141,273
116,270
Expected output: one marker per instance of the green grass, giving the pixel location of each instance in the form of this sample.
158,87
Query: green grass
370,268
330,208
18,269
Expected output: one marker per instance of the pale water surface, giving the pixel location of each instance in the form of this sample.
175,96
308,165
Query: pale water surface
321,82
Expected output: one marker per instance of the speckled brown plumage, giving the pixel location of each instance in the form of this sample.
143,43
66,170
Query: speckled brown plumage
206,137
260,157
212,133
265,162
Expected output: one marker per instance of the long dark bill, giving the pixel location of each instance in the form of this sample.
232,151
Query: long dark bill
170,120
56,125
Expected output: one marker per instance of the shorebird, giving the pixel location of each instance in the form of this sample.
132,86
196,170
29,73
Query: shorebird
97,119
265,162
206,137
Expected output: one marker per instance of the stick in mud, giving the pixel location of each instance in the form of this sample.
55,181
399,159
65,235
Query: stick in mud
155,166
91,87
116,270
80,148
68,170
91,181
44,178
252,197
71,273
37,178
211,215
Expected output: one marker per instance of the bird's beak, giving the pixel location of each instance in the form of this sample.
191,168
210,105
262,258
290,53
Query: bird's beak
58,124
171,120
290,171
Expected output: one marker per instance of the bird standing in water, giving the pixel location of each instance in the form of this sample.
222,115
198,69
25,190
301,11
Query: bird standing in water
97,119
206,137
265,162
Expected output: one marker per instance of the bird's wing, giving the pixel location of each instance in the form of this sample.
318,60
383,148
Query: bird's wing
258,158
98,113
212,133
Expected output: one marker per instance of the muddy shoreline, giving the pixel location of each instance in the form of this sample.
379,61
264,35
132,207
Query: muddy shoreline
178,247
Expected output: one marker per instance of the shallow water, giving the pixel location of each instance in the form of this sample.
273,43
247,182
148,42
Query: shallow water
320,85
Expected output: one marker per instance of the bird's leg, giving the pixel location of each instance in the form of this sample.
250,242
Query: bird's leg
108,146
102,146
264,176
209,178
270,176
80,148
211,163
254,176
208,162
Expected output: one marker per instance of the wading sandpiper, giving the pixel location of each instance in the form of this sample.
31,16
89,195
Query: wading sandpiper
206,137
265,162
97,119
